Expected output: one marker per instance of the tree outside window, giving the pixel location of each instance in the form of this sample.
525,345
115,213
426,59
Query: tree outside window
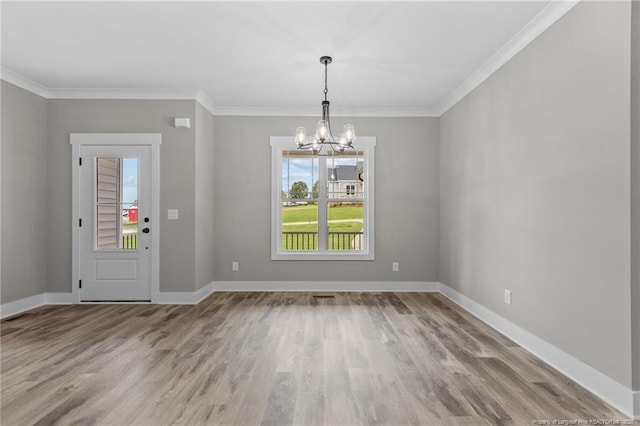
299,190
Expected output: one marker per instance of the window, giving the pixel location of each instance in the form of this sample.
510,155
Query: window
116,202
322,206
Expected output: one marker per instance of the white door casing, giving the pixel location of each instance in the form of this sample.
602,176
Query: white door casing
102,271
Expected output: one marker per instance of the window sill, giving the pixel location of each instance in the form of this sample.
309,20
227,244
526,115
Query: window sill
322,256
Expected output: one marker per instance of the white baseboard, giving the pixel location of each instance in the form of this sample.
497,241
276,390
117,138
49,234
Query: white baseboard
335,286
28,303
22,305
60,299
614,393
636,405
185,298
19,306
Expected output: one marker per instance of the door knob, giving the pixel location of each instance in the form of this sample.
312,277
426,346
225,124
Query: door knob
145,230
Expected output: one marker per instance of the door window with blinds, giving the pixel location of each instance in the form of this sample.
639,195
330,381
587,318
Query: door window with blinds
116,203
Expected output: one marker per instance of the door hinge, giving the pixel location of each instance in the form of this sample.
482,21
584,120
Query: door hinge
80,223
79,161
79,283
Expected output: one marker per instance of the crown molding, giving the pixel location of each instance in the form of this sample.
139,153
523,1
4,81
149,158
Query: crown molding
24,83
206,102
203,99
539,24
383,112
335,112
116,93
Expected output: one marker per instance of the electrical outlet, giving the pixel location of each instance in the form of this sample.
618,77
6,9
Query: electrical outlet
235,266
395,266
507,297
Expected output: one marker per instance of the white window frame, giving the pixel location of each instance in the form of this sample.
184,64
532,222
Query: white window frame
366,145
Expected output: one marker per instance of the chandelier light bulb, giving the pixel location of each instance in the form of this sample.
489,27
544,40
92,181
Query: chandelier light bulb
349,133
323,130
301,136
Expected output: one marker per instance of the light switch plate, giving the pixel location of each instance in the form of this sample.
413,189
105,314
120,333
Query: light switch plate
183,123
172,214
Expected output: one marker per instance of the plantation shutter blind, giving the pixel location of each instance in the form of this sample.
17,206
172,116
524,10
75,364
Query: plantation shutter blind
108,202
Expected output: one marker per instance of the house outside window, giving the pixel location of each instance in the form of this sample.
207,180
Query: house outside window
322,206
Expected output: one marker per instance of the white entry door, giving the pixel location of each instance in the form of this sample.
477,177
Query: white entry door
115,223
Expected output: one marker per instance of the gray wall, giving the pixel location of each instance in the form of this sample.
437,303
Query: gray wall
533,172
204,214
177,165
24,194
635,190
535,188
406,210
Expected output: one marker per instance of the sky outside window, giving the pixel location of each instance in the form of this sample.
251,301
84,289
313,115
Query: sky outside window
129,181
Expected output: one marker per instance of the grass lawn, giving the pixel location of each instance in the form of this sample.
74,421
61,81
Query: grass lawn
345,212
300,214
129,226
333,227
310,213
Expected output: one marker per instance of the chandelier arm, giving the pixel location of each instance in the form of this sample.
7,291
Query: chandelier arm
331,138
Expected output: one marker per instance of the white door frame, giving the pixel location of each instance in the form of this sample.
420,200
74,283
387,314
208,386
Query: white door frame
153,140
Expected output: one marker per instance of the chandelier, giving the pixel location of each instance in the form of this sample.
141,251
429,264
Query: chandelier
324,136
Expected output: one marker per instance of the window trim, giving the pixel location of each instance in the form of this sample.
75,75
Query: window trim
366,144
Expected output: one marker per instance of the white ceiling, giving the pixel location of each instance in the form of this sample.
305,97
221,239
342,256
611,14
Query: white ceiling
389,57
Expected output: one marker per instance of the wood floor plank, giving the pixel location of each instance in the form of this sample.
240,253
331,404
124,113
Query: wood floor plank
252,358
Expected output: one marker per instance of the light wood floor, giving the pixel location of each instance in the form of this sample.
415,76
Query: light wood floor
277,359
